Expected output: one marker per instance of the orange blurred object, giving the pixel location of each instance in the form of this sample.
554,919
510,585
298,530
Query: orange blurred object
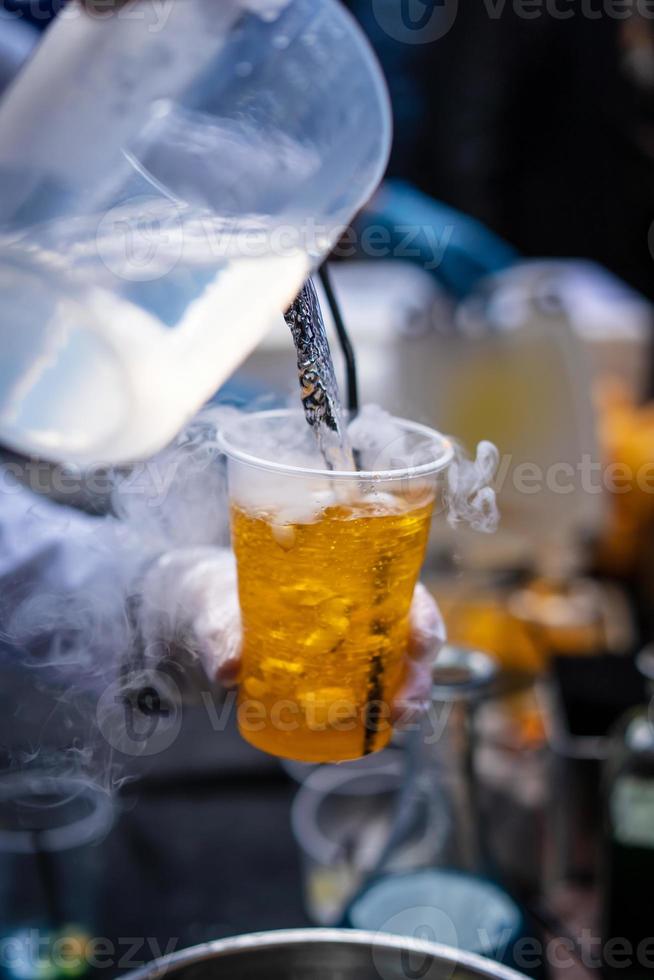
627,443
524,627
482,620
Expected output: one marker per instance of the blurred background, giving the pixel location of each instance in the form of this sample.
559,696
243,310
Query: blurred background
498,286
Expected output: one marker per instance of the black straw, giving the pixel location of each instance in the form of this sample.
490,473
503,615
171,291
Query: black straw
344,341
376,671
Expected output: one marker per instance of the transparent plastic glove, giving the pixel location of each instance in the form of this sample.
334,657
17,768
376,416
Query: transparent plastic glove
427,636
190,610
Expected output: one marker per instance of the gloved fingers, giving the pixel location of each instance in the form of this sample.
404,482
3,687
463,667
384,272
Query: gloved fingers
426,638
426,627
190,607
219,648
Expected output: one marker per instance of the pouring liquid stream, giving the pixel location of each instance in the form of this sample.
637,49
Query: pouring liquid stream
319,389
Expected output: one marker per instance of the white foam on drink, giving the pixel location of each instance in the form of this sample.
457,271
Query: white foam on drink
286,499
280,501
382,444
303,507
468,496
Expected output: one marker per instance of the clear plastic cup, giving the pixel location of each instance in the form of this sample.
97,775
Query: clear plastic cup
342,820
201,157
327,565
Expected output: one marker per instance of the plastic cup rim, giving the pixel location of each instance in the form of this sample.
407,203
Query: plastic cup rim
78,833
437,465
311,796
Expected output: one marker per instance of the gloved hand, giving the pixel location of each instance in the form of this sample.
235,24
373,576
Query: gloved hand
190,607
190,611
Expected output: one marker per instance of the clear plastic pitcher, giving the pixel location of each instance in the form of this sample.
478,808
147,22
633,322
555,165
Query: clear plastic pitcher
170,172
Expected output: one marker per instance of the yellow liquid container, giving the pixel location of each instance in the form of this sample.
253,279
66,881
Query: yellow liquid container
327,565
325,623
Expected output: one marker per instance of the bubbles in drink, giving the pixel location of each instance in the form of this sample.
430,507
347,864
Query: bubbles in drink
284,535
317,616
319,706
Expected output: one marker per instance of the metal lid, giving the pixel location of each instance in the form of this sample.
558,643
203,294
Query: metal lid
462,673
307,953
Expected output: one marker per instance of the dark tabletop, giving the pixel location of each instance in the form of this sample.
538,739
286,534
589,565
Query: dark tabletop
201,847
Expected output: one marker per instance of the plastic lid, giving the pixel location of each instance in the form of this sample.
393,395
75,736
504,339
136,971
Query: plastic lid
461,673
450,907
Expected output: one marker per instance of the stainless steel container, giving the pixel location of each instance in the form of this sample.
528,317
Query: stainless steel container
323,954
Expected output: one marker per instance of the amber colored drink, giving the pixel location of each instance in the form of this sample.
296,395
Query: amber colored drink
325,609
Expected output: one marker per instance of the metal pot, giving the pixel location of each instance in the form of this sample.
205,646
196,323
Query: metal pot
323,954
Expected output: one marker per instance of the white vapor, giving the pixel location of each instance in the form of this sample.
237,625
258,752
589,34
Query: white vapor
469,497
